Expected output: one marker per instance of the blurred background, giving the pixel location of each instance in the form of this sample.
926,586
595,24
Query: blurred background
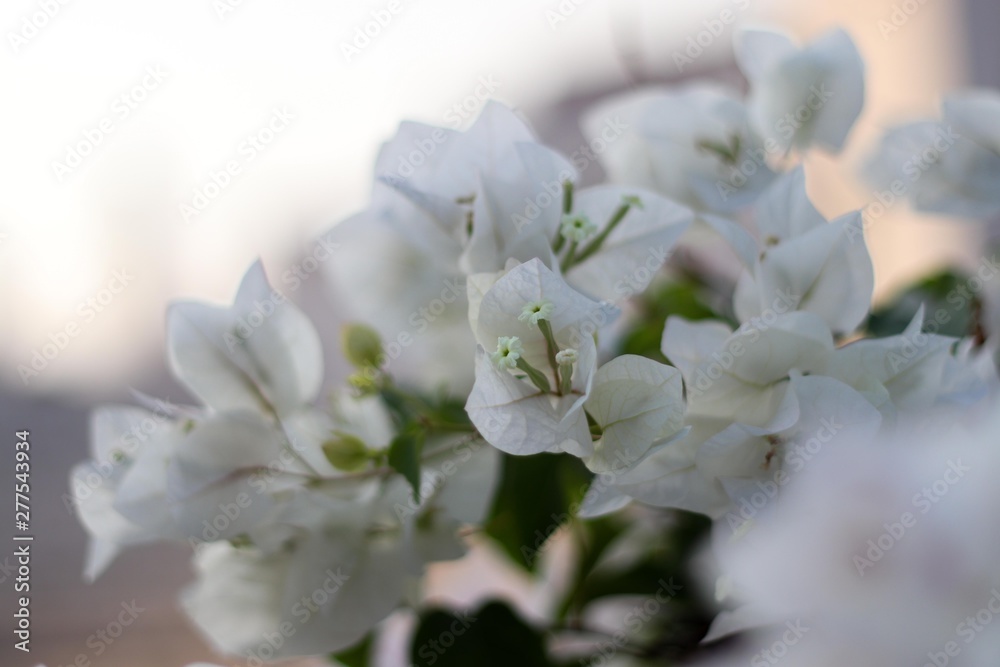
151,151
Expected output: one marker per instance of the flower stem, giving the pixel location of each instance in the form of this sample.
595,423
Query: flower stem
567,206
570,259
551,349
595,244
536,376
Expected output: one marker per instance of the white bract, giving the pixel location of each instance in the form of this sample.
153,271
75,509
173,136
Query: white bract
743,393
511,410
913,371
799,261
346,564
879,553
950,166
800,96
736,470
445,204
743,376
693,145
637,403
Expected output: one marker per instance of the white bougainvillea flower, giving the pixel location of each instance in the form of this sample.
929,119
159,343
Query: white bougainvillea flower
950,166
879,552
573,316
346,568
214,461
330,589
120,494
516,217
427,177
365,418
639,404
177,473
742,376
800,96
732,469
913,371
638,246
754,468
693,145
262,353
516,417
516,412
376,264
445,204
490,193
802,262
449,165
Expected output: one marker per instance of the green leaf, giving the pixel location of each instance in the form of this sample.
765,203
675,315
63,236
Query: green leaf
536,495
594,536
491,637
683,298
357,655
678,625
949,307
404,457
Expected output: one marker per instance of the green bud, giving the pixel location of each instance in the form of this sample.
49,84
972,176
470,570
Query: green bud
346,452
365,384
362,345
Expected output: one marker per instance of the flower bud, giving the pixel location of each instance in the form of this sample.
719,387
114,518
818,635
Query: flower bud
346,452
362,345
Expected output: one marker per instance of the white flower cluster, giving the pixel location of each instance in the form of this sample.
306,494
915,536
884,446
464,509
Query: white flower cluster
296,529
482,266
884,554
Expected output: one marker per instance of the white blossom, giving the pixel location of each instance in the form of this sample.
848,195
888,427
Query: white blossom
513,414
693,145
800,96
260,354
947,167
880,553
799,261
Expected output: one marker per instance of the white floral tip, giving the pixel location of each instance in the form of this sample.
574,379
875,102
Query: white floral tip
634,200
567,356
509,350
577,228
535,311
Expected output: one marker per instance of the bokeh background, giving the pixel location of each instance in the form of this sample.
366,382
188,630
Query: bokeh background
162,95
